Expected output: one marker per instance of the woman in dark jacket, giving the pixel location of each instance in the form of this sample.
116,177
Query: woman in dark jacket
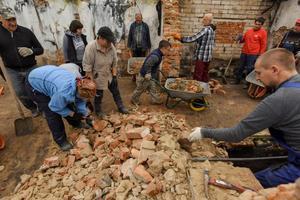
74,44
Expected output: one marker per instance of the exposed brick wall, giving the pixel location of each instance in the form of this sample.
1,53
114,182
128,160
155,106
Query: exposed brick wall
171,25
230,16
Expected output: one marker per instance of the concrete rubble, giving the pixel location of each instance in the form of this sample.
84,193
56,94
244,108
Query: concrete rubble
134,156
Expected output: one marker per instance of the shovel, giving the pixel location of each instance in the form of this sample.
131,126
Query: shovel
224,80
23,125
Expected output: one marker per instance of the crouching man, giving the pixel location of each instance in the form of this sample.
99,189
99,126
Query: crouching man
58,94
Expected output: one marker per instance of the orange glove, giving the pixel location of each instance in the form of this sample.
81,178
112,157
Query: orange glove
177,36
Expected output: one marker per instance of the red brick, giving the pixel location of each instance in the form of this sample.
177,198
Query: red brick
134,133
79,186
76,153
71,161
91,182
98,142
52,161
114,144
142,174
100,125
124,153
154,188
73,137
137,143
135,153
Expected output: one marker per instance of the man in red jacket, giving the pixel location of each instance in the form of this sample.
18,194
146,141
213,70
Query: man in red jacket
255,44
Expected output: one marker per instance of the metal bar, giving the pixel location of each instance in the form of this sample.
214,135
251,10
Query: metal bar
201,159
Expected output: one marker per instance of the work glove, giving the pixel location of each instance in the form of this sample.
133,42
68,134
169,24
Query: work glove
114,82
24,51
195,134
148,77
239,37
77,116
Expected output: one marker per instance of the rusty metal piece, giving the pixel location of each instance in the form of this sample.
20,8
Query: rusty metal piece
185,144
206,181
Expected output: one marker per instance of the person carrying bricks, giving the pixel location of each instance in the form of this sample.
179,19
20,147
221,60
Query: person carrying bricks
255,44
278,112
149,71
59,93
100,65
205,40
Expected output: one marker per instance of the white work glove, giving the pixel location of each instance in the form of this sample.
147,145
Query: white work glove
298,55
148,77
195,134
24,51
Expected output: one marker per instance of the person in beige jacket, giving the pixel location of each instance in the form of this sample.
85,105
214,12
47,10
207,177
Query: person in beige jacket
100,64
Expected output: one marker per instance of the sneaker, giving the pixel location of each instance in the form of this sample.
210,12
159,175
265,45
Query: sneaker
66,146
123,110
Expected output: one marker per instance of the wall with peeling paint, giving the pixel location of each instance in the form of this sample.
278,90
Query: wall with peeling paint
50,20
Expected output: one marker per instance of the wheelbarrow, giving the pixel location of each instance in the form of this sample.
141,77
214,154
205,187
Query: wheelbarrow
256,88
196,101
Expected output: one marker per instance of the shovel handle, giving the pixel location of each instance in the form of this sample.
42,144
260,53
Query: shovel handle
11,89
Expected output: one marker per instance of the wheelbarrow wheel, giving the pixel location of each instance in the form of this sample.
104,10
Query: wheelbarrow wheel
198,104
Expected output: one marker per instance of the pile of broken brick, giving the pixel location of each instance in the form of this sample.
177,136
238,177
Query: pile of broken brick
127,157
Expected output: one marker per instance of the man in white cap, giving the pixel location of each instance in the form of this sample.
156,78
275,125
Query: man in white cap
18,48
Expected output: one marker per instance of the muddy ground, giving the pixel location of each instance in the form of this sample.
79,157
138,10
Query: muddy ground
25,154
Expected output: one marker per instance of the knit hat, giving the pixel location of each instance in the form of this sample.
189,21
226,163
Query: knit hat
7,12
106,33
86,88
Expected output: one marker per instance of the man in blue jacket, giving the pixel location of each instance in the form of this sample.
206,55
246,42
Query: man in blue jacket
59,93
149,71
278,112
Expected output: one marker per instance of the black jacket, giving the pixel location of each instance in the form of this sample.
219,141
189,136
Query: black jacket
146,41
71,51
9,43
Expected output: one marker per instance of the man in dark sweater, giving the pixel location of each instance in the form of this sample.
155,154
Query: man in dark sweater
18,48
279,112
149,71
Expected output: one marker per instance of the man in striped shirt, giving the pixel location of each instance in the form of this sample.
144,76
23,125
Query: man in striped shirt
205,40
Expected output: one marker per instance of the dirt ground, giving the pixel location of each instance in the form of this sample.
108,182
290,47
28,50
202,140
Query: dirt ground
25,154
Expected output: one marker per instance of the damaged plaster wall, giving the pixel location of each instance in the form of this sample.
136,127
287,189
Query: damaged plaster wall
285,19
50,19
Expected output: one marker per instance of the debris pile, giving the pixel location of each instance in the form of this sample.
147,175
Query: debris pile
128,157
180,84
282,192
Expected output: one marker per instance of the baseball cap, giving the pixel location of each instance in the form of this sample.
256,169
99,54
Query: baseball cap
106,33
7,12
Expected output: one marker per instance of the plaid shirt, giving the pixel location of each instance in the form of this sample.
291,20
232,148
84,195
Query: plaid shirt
205,41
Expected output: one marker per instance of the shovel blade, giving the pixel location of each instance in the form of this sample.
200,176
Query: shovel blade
24,126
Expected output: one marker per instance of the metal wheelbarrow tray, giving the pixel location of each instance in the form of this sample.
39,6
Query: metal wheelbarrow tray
186,96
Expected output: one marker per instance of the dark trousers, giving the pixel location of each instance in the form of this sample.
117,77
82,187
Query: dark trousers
247,63
54,120
17,77
201,71
139,52
114,89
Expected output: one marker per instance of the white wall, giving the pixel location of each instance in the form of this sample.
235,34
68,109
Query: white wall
55,19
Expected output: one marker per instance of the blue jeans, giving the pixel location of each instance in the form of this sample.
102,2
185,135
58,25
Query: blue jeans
17,77
247,63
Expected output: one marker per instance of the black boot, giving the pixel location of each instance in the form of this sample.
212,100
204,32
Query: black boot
117,98
66,146
97,104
